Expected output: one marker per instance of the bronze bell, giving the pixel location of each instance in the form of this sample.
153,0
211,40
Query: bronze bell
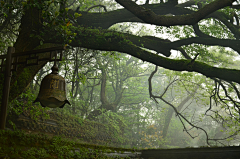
52,92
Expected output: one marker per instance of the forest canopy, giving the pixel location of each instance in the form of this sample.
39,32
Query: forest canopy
120,53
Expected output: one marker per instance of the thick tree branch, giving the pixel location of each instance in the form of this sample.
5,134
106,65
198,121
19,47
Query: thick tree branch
116,42
107,19
211,41
150,17
130,44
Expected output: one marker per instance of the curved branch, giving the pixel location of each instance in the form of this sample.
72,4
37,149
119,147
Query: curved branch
99,5
184,53
107,19
233,28
115,41
213,95
180,116
199,33
150,84
150,17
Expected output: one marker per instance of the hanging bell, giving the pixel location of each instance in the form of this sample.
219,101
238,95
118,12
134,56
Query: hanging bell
52,92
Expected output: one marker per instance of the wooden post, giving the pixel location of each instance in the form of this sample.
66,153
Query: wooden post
6,88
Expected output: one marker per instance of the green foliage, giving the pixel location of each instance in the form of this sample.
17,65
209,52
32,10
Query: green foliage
131,110
25,103
18,144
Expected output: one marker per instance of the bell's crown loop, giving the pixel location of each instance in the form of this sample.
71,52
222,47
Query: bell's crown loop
54,69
